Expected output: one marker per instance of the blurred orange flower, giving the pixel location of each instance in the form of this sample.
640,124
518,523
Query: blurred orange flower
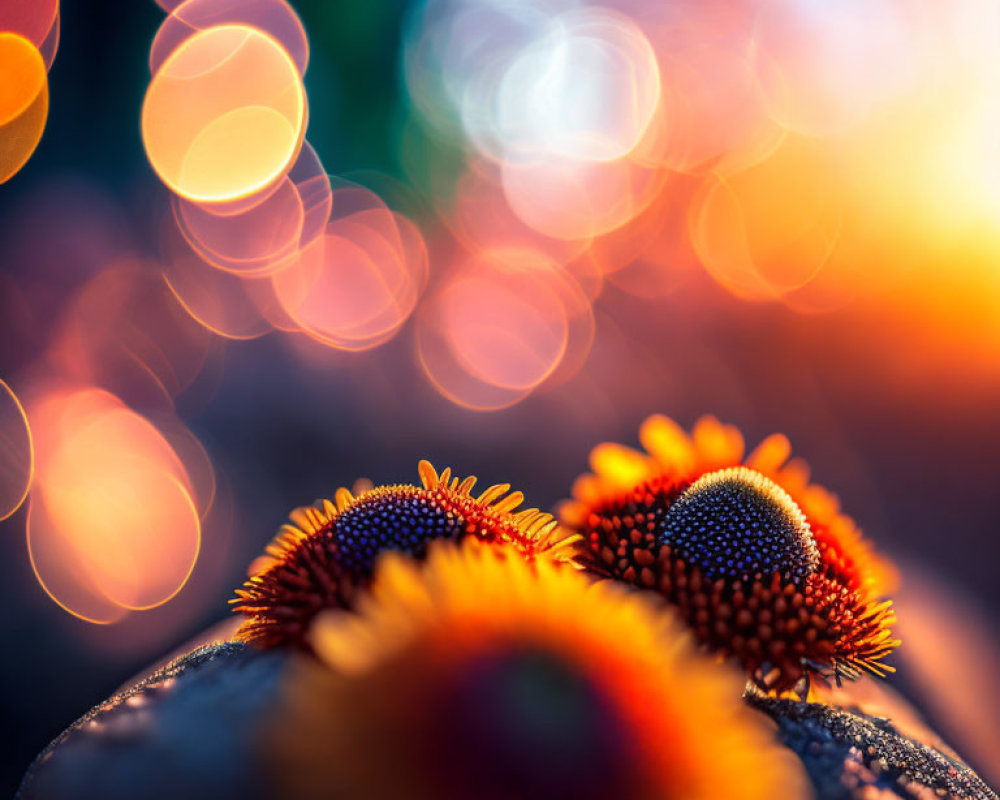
480,674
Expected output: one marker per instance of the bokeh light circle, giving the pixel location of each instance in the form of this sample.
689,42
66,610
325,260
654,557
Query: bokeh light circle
770,229
826,67
354,286
35,20
315,193
274,17
50,45
351,289
53,557
17,456
587,89
219,300
447,75
112,525
258,241
481,218
124,331
711,107
498,337
496,328
24,102
567,198
225,116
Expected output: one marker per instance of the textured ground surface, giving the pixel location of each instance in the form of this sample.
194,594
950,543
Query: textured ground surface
183,732
189,730
855,757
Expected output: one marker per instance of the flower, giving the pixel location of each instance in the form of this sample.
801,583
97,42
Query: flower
480,674
762,563
328,551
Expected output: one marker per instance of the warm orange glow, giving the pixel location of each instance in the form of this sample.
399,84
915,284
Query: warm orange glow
225,116
24,102
768,230
112,525
274,17
54,561
137,559
17,456
23,76
816,155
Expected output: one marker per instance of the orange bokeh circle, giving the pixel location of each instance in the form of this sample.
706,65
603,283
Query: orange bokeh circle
113,525
225,116
24,102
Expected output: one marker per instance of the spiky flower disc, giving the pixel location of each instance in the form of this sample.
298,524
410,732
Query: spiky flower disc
478,674
319,560
736,522
760,563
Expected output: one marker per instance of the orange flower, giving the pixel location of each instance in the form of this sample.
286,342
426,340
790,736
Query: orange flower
761,562
479,674
320,559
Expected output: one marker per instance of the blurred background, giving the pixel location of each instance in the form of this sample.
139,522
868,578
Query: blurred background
544,221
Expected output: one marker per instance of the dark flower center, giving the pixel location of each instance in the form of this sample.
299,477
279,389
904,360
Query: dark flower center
736,523
526,723
402,519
